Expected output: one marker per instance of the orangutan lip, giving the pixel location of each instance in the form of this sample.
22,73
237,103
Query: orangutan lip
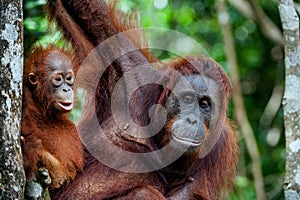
66,105
186,142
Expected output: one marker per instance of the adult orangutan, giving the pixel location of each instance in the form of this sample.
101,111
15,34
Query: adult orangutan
52,150
136,150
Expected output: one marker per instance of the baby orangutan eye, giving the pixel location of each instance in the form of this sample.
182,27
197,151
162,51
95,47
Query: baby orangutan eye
70,79
57,81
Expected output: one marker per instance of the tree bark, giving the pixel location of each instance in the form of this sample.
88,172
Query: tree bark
11,54
291,100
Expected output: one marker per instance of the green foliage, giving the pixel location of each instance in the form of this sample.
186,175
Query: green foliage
37,29
260,64
244,189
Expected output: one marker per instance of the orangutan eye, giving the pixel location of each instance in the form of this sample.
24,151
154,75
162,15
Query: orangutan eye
70,79
57,81
204,103
189,98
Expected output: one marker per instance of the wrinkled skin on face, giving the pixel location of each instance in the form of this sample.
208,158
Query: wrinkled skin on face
61,80
52,87
189,112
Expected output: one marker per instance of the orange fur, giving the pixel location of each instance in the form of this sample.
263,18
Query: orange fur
51,139
188,177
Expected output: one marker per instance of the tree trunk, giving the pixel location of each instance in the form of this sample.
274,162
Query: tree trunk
291,101
239,107
11,71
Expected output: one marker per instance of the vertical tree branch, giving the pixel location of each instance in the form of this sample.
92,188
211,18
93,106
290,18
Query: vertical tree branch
11,67
240,111
291,100
251,10
267,26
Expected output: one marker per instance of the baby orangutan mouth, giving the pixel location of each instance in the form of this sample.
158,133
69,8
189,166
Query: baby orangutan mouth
67,105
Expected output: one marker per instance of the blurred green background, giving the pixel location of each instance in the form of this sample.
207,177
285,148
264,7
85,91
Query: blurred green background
260,63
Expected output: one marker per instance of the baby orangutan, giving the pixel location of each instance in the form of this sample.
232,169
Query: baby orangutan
52,150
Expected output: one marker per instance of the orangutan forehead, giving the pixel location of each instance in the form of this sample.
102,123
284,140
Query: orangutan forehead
58,60
201,83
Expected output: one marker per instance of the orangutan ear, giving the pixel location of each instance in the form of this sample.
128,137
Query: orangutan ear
32,78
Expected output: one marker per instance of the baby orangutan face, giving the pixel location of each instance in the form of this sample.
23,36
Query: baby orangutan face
54,86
